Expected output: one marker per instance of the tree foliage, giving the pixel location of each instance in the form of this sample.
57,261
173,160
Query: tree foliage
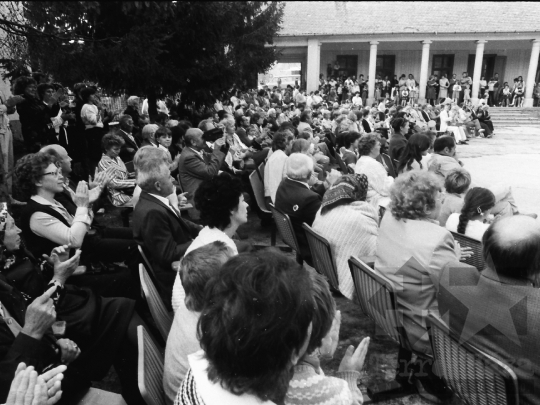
150,48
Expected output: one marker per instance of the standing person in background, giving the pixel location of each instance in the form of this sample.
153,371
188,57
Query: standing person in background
92,120
452,82
431,94
444,84
466,83
133,110
491,91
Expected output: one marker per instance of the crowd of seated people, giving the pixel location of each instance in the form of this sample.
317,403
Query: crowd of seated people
248,326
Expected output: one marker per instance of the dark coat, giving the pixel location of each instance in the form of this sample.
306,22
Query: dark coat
301,205
125,154
396,146
164,237
499,316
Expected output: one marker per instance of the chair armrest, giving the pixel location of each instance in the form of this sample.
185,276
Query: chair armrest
369,260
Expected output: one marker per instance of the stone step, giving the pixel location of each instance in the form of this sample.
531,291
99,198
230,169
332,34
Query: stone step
515,124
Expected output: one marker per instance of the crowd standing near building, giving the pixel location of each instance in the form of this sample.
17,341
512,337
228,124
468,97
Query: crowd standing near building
381,180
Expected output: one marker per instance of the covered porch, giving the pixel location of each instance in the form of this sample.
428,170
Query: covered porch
509,55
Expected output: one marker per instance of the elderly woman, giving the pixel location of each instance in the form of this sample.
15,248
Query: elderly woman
122,182
99,332
349,223
93,122
222,209
412,249
369,148
309,381
449,124
133,110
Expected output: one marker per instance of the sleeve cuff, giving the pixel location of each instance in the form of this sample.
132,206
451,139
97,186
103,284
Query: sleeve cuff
32,348
81,215
351,377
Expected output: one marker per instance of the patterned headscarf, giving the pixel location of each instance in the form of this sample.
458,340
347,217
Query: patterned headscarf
348,188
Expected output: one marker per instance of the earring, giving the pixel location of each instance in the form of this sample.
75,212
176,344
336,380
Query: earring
479,210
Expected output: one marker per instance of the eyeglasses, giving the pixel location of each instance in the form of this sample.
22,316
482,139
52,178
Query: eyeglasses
56,173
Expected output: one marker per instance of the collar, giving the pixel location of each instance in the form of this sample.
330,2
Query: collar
164,200
491,274
160,146
212,392
200,153
300,182
39,199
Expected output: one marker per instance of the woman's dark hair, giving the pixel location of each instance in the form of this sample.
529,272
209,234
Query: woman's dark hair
325,310
42,88
349,138
162,131
443,142
29,170
280,140
257,313
216,198
477,200
111,140
416,144
398,123
254,118
177,133
21,84
86,93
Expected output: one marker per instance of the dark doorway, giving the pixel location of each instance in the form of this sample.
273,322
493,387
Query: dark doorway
386,66
443,64
348,65
488,66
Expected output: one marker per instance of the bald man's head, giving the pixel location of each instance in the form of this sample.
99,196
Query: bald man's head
512,247
61,156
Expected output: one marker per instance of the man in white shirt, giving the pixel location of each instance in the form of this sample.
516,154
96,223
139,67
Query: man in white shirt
274,169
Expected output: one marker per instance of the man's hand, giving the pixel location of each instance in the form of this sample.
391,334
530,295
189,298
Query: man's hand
40,315
81,195
14,100
61,252
69,350
53,383
219,143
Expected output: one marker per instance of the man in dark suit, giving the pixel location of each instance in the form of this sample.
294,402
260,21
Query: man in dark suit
131,144
157,225
195,165
497,309
294,198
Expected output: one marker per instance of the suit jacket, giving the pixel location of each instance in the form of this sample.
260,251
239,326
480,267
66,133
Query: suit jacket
194,169
412,253
125,155
498,315
301,205
425,116
164,237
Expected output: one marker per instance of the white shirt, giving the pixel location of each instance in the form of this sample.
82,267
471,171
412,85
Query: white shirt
273,173
165,201
474,229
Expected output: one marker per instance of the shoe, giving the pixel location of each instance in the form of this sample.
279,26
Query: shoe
489,136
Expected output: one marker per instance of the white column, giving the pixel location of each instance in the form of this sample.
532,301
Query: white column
424,71
533,65
477,70
372,71
313,64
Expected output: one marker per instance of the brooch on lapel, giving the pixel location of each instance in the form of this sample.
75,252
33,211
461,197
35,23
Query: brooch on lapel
295,208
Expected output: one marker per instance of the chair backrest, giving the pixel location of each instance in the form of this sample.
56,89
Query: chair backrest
285,228
474,376
323,259
150,369
159,312
260,171
258,190
378,300
477,259
146,261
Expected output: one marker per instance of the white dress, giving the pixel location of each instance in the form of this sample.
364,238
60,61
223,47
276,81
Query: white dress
474,229
379,182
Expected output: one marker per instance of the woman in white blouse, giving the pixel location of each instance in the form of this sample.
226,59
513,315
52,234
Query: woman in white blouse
446,125
222,209
91,115
473,219
369,148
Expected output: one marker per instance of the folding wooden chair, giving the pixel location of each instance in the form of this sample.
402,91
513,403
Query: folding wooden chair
473,375
161,316
477,259
257,185
150,369
323,259
286,231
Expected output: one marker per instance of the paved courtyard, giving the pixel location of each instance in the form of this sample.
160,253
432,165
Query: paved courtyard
512,157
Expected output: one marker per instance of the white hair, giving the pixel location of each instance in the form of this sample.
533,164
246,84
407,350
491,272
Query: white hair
149,131
151,165
132,100
299,167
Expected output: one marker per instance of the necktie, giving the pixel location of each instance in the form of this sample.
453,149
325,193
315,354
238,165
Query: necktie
176,211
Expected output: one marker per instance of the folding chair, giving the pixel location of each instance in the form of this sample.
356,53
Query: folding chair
150,369
95,396
286,231
342,166
258,190
477,259
378,300
323,259
146,261
473,375
161,316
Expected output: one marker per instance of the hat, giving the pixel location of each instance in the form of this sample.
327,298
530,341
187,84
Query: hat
350,187
447,101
